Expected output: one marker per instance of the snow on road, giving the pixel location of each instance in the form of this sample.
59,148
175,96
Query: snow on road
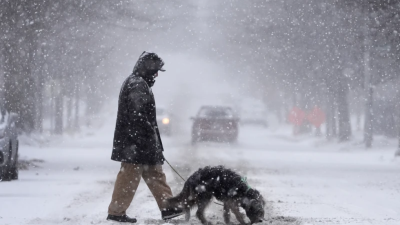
312,180
305,180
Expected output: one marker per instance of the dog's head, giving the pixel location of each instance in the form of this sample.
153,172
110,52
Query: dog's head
255,211
254,206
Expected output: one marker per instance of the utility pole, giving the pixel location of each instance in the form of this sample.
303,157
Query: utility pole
398,118
398,134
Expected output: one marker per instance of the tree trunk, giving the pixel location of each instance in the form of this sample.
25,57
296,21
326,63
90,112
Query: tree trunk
358,109
39,104
52,108
69,113
77,100
12,94
344,128
28,103
330,117
58,120
398,134
19,86
369,118
358,122
26,55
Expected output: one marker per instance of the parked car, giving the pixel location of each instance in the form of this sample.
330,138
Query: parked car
8,147
215,123
253,111
164,121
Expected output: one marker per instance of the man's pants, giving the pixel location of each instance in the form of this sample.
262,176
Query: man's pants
128,180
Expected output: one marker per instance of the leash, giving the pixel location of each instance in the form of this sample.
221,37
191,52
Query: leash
174,169
184,179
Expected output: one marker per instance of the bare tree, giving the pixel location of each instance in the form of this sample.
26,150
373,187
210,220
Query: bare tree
63,42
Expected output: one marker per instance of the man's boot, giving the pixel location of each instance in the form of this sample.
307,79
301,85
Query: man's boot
123,218
171,213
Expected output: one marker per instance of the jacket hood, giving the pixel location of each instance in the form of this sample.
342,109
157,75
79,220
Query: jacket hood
148,64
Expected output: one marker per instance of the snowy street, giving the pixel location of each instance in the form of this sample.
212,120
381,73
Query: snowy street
305,180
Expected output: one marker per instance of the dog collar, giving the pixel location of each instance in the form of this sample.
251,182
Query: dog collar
244,180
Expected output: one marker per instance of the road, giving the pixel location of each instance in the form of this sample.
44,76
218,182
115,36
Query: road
305,180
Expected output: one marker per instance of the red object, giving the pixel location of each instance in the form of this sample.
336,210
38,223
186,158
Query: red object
316,117
296,116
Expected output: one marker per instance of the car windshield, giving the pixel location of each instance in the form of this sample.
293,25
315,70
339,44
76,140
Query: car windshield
215,113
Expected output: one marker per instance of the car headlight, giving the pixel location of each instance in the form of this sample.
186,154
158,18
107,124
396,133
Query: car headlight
165,121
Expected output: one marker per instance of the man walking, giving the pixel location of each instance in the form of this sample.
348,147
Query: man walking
137,142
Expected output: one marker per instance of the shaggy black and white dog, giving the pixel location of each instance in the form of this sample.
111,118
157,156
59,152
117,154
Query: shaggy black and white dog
226,186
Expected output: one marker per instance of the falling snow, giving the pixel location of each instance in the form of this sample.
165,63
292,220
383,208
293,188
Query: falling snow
303,99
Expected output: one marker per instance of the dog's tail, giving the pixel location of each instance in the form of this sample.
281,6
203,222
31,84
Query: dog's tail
181,199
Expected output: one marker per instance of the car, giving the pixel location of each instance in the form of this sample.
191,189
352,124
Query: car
253,111
215,123
164,121
8,146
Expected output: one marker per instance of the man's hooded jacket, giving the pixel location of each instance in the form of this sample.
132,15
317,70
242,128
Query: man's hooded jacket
137,138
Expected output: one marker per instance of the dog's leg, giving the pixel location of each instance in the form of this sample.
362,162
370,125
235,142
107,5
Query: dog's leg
187,213
238,214
188,207
202,205
227,215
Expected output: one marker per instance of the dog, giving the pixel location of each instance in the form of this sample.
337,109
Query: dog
226,186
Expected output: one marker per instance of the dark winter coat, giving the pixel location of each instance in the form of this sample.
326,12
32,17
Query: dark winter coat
137,138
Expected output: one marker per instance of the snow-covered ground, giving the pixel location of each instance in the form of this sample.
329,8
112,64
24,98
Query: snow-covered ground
304,179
